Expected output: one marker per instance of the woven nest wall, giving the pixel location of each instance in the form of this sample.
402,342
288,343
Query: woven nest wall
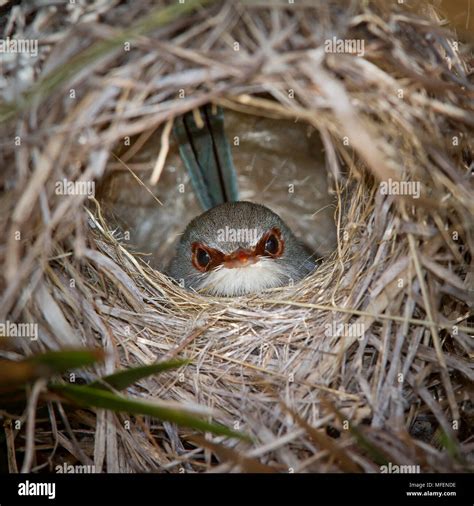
372,350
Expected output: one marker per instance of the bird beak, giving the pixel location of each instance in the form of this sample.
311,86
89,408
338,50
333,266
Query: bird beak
240,258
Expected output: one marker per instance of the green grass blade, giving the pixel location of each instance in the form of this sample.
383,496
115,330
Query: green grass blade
123,379
58,362
87,397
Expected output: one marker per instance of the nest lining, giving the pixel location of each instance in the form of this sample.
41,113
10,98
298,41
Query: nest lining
271,363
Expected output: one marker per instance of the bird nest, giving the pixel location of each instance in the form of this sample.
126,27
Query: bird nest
368,356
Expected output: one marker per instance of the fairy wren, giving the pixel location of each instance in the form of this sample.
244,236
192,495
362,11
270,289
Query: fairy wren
239,248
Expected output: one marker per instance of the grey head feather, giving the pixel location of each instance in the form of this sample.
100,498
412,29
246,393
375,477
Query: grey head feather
210,227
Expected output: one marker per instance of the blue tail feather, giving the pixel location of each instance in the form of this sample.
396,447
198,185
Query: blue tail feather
207,157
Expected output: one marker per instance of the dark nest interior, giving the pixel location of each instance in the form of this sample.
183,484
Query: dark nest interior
366,361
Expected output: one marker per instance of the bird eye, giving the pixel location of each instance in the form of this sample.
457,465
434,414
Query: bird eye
202,258
272,245
205,258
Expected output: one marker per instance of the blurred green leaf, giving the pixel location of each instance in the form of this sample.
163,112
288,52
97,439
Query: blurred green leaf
58,362
123,379
44,365
15,374
87,397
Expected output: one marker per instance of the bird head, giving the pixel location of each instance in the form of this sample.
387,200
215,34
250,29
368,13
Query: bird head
239,248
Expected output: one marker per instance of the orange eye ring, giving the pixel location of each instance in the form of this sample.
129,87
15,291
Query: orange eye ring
205,258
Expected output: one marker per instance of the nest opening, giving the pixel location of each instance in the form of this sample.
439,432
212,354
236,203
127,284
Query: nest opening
280,164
